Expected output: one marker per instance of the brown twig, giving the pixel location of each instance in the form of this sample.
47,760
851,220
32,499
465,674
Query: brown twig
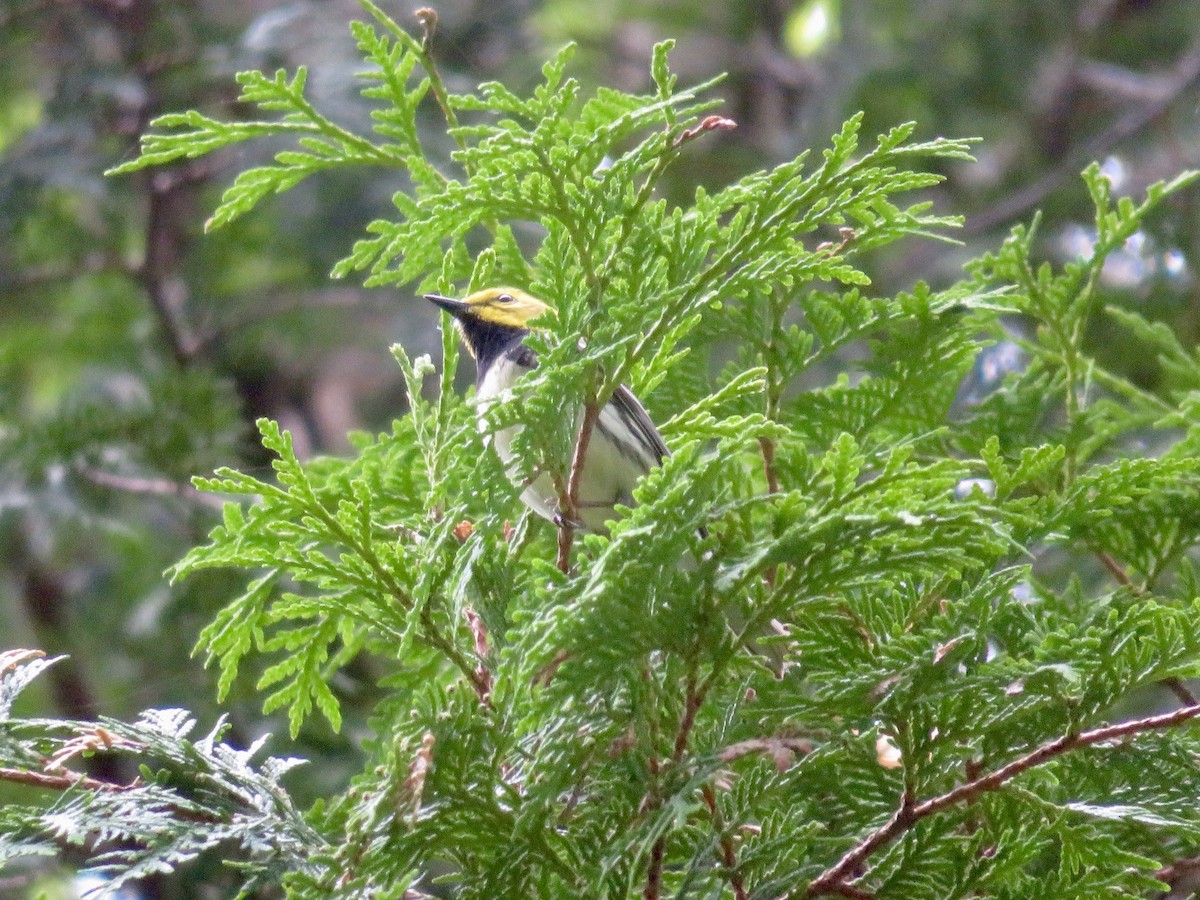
76,780
849,890
693,700
694,695
1181,691
767,446
1114,568
159,271
483,675
428,20
654,870
728,852
62,782
570,502
836,878
781,749
708,123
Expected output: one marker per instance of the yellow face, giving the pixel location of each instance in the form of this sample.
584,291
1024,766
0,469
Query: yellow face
506,306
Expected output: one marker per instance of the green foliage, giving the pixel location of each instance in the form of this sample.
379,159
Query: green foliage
193,794
956,584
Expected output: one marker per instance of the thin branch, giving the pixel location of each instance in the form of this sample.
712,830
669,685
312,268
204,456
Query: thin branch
1114,568
781,749
837,877
483,682
693,700
567,520
767,446
1184,75
555,177
159,270
1181,691
849,890
654,870
707,124
77,780
159,487
428,19
61,782
728,852
668,155
694,695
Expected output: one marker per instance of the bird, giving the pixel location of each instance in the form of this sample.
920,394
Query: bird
624,444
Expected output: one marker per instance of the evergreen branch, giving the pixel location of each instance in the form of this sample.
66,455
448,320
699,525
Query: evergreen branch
59,782
728,854
1172,683
79,781
431,633
834,879
423,50
428,19
667,156
578,238
694,694
774,388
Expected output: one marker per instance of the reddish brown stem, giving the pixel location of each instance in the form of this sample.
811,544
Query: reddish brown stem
728,853
709,123
75,780
654,871
781,749
694,697
1114,569
570,503
768,455
483,675
59,782
693,700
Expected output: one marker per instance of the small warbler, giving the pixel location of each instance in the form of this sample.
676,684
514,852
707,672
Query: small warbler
624,444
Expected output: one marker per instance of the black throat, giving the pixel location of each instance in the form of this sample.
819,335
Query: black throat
489,341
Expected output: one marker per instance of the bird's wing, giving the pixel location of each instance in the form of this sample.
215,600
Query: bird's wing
638,420
623,402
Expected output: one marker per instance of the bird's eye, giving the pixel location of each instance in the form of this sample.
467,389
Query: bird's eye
505,298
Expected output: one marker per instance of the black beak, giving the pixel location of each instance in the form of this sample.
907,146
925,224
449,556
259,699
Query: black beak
456,308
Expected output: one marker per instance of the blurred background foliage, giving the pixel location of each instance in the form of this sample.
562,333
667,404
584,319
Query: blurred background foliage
135,351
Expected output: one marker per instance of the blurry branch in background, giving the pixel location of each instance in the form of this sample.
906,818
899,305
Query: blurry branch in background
1156,100
158,487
